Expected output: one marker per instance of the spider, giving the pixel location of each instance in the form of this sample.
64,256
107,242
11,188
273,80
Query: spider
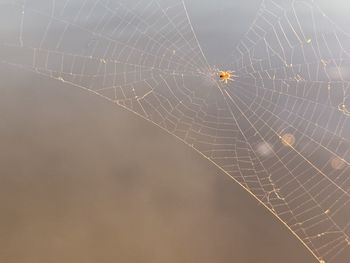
225,76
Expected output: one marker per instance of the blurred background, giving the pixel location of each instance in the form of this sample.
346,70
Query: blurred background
82,180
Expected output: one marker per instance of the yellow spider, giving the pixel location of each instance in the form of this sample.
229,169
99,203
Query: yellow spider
225,76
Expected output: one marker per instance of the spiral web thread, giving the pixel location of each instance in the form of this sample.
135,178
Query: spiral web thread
281,129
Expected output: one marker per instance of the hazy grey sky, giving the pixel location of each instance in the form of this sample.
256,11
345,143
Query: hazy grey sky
84,180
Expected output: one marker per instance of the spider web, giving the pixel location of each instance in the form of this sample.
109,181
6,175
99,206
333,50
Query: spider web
281,129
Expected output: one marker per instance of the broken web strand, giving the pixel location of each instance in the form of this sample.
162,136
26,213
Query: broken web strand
251,66
278,190
253,183
165,80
